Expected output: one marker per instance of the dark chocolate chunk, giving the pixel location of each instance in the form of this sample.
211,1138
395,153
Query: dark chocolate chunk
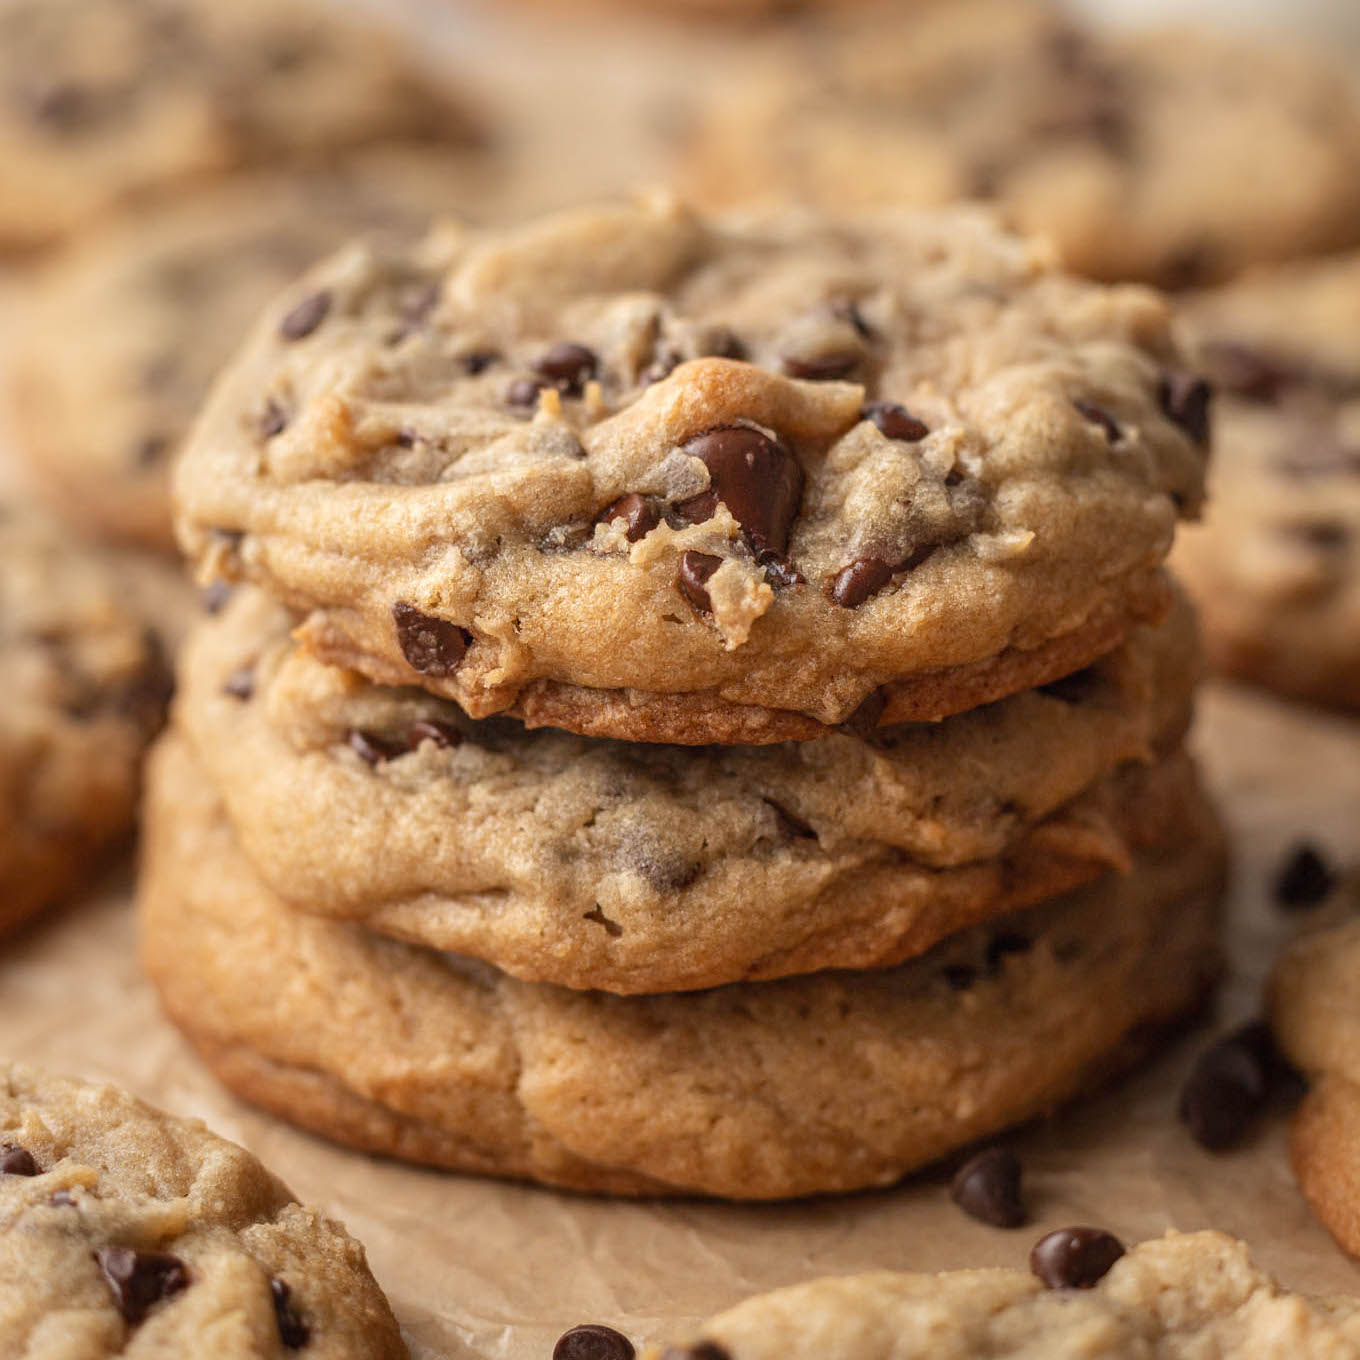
1228,1087
1075,1258
894,421
1184,399
987,1187
305,316
293,1332
431,646
141,1279
591,1341
757,478
566,366
865,576
372,749
1098,415
240,684
640,515
16,1161
695,569
1305,879
444,735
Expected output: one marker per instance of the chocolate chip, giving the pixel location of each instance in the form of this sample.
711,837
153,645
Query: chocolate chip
1098,415
372,749
16,1161
214,596
1248,372
523,393
141,1279
593,1342
1076,688
1184,399
151,450
293,1332
695,569
725,343
791,827
611,928
1228,1087
431,646
240,684
1305,879
273,419
781,573
1075,1258
864,576
1002,945
822,367
846,309
959,976
865,718
444,735
987,1188
639,513
566,366
894,421
757,478
478,361
306,316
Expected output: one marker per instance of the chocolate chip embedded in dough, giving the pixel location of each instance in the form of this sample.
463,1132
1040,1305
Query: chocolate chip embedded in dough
757,478
293,1331
1184,399
566,366
695,570
17,1161
431,646
894,421
139,1279
987,1188
305,316
1098,415
371,748
640,515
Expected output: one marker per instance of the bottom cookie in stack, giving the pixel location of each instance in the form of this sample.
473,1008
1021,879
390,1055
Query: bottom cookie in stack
827,1082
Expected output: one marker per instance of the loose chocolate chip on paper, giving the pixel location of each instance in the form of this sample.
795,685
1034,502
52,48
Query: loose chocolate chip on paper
305,316
566,366
894,421
16,1161
639,514
293,1332
1098,415
1227,1089
757,478
141,1279
695,570
431,646
593,1341
1184,399
987,1188
1305,879
1075,1258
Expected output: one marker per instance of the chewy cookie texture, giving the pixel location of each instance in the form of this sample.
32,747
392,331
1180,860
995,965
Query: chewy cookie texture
642,474
127,1232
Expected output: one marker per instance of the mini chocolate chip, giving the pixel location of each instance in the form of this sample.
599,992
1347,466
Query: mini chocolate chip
152,449
1305,879
865,576
523,393
865,718
240,684
987,1188
293,1332
1225,1091
1184,399
566,366
16,1161
959,976
478,361
639,513
822,367
1098,415
1003,944
214,596
305,316
611,928
894,421
372,749
695,569
593,1342
794,828
431,646
1075,1258
444,735
757,478
273,419
141,1279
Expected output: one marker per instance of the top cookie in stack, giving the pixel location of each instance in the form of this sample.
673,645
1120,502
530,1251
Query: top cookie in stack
636,474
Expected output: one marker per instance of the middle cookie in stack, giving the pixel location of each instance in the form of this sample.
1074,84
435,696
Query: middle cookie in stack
918,473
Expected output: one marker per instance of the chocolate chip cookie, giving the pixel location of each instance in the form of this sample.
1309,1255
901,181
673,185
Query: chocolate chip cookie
1276,566
1141,156
127,1232
105,99
636,473
637,868
1185,1295
753,1091
85,683
1315,1012
126,329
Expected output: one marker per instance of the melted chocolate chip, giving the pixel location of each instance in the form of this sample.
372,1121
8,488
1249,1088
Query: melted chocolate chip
293,1332
592,1341
431,646
273,419
1075,1258
791,827
1098,415
1305,879
240,684
566,366
1228,1087
141,1279
523,393
822,367
757,478
16,1161
987,1188
478,361
306,316
372,749
1184,399
865,576
695,569
444,735
640,515
894,421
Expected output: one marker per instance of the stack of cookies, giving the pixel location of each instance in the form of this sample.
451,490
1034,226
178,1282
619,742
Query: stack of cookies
692,705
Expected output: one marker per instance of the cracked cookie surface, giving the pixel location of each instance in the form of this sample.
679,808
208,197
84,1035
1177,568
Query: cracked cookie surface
635,473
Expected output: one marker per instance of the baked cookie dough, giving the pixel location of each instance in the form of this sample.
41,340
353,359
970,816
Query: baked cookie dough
85,681
127,1232
124,331
1276,565
1141,156
755,1091
107,99
936,472
1315,1013
635,868
1182,1297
